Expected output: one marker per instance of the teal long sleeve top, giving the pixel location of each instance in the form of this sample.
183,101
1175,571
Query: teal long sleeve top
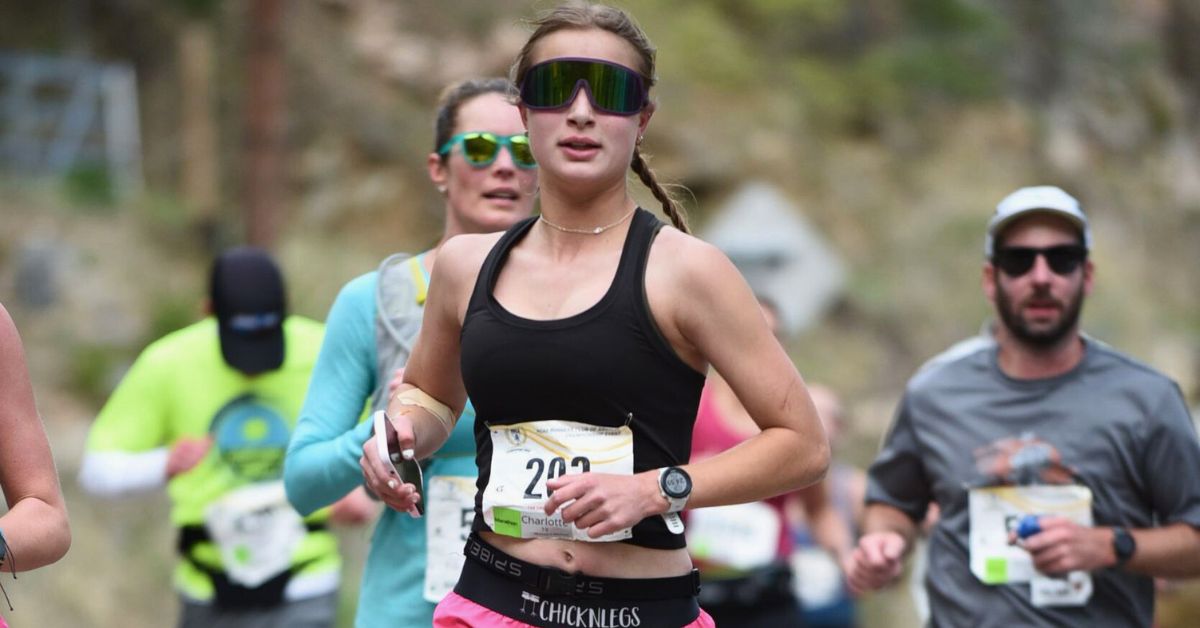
322,460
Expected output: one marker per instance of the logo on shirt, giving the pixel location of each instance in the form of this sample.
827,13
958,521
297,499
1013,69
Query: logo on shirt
1022,461
251,438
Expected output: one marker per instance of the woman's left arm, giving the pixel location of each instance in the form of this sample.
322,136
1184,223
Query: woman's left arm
710,315
35,526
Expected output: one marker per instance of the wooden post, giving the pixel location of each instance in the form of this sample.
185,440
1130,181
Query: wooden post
264,123
199,182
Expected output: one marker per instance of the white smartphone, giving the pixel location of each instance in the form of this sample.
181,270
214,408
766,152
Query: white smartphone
388,446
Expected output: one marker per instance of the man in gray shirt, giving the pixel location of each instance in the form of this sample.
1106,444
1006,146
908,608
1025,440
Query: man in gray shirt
1068,474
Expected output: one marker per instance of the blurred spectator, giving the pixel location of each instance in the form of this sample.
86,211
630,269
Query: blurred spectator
743,551
820,583
207,411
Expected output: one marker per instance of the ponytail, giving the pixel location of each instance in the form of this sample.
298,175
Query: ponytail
670,206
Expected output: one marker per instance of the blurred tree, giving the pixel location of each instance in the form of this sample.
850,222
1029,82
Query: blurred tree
1181,30
264,122
1040,30
199,182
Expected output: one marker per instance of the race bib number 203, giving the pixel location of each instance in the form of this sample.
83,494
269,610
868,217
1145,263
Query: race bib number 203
526,455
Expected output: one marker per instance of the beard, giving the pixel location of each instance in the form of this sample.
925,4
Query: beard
1039,337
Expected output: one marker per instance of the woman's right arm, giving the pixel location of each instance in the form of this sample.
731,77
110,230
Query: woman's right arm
433,368
322,457
35,527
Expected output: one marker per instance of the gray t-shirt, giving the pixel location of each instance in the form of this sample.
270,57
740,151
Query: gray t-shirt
1111,424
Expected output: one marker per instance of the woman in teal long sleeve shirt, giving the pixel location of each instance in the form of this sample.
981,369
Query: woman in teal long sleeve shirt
485,172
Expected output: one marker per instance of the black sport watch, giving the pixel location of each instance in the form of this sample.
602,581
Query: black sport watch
676,486
1123,545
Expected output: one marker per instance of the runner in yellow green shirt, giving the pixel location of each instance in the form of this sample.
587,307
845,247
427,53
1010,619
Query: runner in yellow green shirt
208,411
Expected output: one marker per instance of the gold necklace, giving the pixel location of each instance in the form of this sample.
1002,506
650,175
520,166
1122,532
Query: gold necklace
593,231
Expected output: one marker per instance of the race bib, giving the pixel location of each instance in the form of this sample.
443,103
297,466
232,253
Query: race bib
449,511
742,536
1073,589
526,455
256,531
995,511
820,584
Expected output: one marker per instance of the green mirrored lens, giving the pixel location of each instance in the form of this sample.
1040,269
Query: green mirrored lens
521,153
480,148
612,88
555,84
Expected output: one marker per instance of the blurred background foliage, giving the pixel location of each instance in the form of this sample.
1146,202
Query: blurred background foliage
896,125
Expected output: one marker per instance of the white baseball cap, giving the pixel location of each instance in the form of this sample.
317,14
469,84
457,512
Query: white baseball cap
1041,198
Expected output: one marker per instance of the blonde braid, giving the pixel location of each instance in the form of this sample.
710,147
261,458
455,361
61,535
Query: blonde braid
672,208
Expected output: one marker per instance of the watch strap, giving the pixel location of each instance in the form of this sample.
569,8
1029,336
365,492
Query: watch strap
1123,545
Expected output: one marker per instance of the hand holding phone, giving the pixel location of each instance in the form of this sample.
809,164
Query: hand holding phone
404,469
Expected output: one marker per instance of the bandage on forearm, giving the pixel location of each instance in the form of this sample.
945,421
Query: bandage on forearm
419,398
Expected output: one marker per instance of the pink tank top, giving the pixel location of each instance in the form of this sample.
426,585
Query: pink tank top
711,436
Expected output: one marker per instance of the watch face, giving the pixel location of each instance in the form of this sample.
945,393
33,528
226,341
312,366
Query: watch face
676,483
1123,543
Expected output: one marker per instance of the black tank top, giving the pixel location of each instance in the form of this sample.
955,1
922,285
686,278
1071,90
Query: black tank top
598,367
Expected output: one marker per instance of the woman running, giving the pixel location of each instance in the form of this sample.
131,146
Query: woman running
583,337
483,168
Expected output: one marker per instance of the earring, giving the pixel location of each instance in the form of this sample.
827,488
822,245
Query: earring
441,189
640,138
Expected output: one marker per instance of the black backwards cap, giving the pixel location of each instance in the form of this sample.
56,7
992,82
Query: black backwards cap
249,302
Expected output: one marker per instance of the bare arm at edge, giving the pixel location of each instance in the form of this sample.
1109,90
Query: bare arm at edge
35,526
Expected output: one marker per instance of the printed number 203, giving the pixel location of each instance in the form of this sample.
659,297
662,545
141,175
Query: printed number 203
556,467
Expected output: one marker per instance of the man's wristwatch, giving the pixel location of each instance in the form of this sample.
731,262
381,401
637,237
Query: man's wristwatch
676,486
1123,545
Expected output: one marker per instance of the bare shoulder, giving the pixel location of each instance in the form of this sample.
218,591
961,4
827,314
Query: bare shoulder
697,296
9,338
701,302
461,257
15,390
692,264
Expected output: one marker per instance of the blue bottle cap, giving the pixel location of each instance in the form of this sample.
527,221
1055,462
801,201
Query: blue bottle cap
1028,526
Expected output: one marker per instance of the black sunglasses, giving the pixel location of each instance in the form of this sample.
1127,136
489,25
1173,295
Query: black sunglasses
1063,259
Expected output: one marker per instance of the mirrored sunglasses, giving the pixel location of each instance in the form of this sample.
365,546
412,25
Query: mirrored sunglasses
611,88
1015,261
480,148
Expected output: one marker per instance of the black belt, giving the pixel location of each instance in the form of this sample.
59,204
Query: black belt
553,581
769,584
510,598
231,595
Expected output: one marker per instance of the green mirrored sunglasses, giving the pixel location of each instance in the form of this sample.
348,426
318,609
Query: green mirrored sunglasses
610,87
480,148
